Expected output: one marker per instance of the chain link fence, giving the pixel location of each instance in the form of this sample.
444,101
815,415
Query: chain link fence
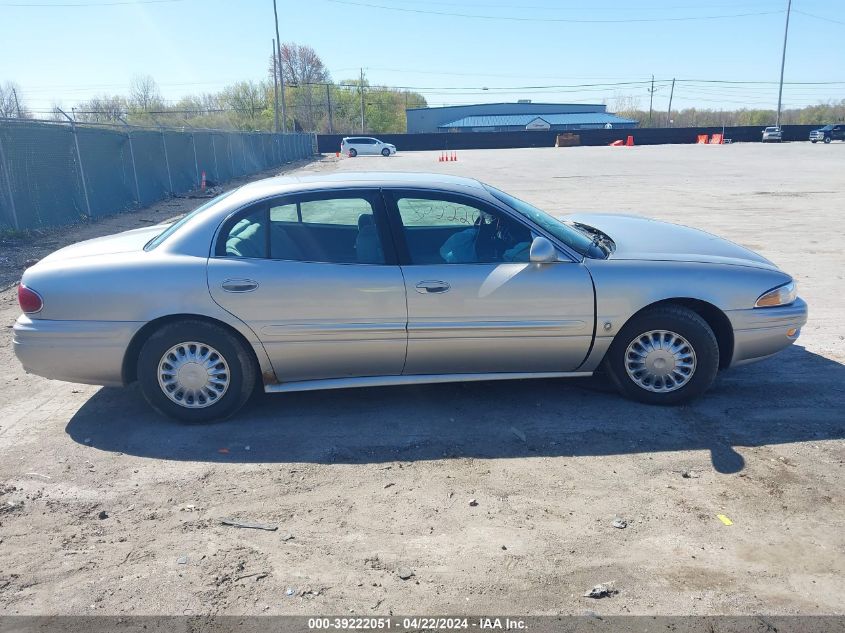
54,174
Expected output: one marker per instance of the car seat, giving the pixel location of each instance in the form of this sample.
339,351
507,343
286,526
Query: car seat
367,246
247,240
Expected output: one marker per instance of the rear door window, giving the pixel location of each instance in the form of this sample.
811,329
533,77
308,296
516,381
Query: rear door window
331,229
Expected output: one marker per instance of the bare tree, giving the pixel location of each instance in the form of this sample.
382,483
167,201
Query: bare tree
11,106
625,105
302,68
144,95
56,112
104,109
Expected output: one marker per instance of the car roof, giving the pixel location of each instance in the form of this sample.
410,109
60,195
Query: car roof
193,237
278,185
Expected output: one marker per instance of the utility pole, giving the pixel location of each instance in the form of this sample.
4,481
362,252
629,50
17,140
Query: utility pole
329,105
278,56
275,90
669,112
17,104
362,100
783,60
650,100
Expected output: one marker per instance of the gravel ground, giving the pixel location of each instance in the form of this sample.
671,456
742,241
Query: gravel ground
106,508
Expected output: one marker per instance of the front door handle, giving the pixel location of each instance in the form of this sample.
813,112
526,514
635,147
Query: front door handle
433,287
240,285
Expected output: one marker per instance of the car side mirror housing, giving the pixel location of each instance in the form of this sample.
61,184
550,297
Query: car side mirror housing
542,251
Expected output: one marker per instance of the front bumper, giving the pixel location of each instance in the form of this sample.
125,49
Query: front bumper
89,352
761,332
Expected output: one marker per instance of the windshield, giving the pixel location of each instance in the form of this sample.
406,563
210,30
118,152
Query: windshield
574,239
827,128
170,230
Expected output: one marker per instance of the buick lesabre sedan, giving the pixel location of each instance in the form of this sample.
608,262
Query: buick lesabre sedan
387,279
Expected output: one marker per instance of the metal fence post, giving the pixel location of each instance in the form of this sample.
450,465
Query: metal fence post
79,160
214,153
196,162
166,160
4,169
229,151
243,150
132,155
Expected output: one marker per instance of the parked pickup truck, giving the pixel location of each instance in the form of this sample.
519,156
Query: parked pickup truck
828,133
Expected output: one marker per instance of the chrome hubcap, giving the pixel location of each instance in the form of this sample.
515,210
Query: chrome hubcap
193,375
660,361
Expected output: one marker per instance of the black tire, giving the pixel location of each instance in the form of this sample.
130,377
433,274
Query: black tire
385,152
827,139
241,365
353,153
681,321
814,142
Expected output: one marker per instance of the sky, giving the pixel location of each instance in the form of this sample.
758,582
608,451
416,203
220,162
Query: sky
452,51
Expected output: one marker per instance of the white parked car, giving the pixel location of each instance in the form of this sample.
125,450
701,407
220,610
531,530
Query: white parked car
772,134
352,146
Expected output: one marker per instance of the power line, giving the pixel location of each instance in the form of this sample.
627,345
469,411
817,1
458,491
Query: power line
818,17
615,9
113,3
566,20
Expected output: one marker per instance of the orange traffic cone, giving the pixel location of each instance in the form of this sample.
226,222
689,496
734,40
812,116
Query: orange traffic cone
630,141
454,156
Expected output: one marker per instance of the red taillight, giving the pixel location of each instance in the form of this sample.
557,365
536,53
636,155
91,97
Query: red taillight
29,300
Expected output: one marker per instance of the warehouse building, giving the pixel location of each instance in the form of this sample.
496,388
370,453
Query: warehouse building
513,117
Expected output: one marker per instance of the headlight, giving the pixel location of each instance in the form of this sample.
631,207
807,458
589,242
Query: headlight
780,296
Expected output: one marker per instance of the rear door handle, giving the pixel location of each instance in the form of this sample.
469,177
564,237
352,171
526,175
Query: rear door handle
433,287
240,285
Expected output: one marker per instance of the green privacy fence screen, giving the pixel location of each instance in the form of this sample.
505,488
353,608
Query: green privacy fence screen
55,174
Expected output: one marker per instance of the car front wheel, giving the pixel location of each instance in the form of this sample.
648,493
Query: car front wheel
353,153
665,355
195,371
385,152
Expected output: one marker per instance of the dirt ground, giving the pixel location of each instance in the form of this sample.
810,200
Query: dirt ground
365,484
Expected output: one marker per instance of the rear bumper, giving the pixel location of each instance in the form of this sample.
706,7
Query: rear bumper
761,332
89,352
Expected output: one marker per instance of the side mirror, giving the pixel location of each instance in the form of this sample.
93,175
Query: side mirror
542,251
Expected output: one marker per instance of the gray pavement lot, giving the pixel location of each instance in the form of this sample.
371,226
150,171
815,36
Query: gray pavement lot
370,480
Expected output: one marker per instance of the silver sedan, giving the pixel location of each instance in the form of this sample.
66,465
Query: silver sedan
386,279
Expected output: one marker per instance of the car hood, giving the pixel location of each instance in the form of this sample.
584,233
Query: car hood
126,242
641,238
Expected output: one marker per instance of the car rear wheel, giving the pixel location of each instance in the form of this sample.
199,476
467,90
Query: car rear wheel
353,153
827,139
385,152
665,355
195,371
